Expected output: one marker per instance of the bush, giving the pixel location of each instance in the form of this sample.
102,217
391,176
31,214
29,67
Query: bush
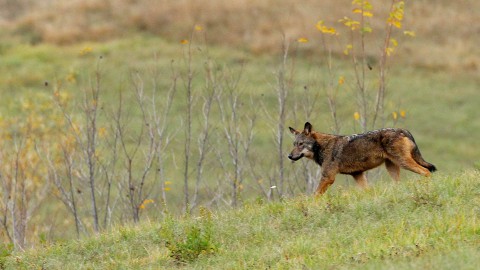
5,251
190,243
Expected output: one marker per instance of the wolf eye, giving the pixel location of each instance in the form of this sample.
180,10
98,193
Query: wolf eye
300,144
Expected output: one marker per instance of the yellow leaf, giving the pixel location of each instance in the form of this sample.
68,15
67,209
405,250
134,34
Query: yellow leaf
341,80
356,116
409,33
389,51
395,22
198,28
398,14
102,132
302,40
367,5
394,42
347,49
324,29
364,4
366,29
329,30
86,50
71,77
367,14
357,10
350,23
183,41
363,12
403,113
394,115
319,25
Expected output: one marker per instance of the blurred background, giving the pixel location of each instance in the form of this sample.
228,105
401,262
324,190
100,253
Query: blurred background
447,35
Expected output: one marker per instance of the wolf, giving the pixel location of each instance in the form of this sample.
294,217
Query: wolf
355,154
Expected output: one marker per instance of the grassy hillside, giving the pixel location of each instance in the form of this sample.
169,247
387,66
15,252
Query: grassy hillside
121,157
440,111
417,224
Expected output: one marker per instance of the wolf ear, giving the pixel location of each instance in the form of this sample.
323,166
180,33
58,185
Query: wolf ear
308,128
293,131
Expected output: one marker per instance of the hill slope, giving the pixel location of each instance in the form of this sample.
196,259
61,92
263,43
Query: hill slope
416,224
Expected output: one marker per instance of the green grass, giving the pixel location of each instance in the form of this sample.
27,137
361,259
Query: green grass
417,224
441,113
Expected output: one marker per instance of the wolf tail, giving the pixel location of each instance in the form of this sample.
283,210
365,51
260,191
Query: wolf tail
419,159
417,156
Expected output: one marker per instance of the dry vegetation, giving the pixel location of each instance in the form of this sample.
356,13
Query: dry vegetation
446,32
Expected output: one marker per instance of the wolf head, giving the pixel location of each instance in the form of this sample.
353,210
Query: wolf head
303,144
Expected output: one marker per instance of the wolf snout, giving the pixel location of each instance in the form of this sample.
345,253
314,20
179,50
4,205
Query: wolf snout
295,157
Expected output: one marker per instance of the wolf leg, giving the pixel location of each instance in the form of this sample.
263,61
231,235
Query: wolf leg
402,155
325,182
361,179
393,169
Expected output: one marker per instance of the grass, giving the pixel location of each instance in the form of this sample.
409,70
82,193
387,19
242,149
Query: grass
432,77
426,223
440,109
